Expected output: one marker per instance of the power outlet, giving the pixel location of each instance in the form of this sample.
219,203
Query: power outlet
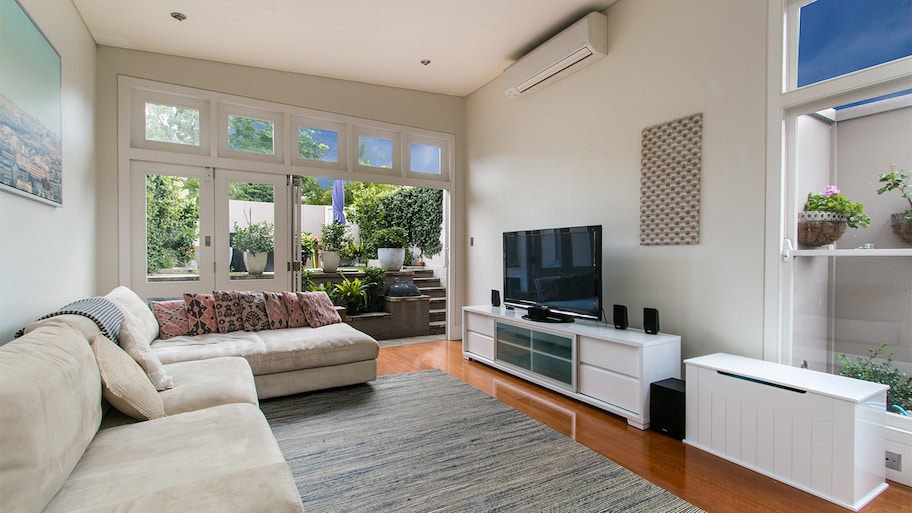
894,461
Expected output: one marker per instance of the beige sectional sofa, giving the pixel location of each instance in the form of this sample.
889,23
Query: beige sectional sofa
205,447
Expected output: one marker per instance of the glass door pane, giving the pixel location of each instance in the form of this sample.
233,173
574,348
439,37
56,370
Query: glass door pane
253,220
168,218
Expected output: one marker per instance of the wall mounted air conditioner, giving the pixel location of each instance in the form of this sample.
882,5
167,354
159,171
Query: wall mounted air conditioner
576,47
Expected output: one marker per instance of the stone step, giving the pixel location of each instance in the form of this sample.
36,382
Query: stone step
426,282
419,272
434,292
437,315
438,328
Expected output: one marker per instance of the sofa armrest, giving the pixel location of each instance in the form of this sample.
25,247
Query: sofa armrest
342,312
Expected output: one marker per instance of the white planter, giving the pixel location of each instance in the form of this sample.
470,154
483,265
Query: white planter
898,439
330,260
255,263
391,259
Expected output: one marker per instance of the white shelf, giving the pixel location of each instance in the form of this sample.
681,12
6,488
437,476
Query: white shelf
884,252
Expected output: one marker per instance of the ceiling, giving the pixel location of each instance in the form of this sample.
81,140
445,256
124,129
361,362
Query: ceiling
468,42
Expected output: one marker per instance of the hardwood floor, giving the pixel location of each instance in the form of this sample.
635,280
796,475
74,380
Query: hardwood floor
704,480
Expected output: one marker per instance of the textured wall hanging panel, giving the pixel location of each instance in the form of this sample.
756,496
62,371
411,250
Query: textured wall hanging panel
670,159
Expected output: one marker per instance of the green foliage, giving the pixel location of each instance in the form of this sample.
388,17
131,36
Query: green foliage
246,191
308,147
326,287
833,201
376,277
392,237
868,369
172,215
174,124
313,194
250,135
353,292
308,243
254,238
419,211
333,236
897,181
352,250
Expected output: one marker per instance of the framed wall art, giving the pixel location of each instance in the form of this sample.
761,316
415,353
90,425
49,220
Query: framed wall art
30,109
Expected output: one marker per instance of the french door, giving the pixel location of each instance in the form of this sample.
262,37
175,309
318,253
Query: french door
183,221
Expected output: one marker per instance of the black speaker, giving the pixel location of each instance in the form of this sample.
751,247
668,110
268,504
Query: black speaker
667,407
620,317
651,320
495,297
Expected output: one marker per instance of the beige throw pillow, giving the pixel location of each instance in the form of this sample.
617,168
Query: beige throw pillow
138,330
124,384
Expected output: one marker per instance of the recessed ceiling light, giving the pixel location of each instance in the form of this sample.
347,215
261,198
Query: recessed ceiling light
425,61
179,16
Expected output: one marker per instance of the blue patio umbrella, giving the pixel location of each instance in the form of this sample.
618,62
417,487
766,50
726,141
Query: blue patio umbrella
338,199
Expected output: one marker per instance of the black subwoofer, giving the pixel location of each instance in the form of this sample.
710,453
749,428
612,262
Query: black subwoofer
666,407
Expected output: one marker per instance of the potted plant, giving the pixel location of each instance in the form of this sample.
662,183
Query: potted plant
826,216
390,244
255,241
308,245
354,292
901,222
333,238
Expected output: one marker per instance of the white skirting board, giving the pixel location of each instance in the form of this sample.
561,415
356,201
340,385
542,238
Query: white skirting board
818,432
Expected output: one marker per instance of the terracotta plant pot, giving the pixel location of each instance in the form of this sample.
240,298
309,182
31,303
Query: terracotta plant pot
902,227
819,228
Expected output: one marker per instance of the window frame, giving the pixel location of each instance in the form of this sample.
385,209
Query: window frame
226,110
297,121
445,146
138,140
396,158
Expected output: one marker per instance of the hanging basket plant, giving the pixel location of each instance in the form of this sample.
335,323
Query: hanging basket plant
901,222
826,217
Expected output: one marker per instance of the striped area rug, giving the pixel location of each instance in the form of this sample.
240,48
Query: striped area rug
426,441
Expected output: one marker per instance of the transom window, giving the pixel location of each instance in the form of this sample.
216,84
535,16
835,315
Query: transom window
251,135
172,124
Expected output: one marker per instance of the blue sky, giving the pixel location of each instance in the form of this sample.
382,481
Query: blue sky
841,36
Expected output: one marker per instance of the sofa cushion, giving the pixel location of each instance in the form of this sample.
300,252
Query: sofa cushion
85,325
204,383
50,408
219,459
138,329
255,316
172,318
276,310
125,385
296,317
229,312
319,309
201,313
273,351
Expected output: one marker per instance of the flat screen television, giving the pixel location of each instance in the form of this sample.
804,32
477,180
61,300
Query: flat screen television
555,274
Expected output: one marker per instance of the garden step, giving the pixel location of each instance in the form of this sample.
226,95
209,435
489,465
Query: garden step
434,292
437,315
438,328
426,282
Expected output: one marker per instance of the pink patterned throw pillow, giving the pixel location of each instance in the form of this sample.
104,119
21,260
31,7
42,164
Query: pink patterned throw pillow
229,311
276,310
296,317
319,309
172,318
255,316
201,313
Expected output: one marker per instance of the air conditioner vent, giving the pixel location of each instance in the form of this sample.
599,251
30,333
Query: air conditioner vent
578,46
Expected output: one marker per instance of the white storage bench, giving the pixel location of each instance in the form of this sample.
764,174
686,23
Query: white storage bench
818,432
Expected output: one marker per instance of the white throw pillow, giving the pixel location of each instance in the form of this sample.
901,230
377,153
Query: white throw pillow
138,330
124,384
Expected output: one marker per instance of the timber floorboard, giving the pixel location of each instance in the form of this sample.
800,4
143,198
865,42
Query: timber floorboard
707,481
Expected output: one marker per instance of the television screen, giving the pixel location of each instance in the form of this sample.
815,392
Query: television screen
559,269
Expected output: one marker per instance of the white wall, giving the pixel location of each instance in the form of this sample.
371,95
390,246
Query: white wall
569,154
48,254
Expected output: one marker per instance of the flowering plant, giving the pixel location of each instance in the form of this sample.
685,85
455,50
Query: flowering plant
897,180
832,200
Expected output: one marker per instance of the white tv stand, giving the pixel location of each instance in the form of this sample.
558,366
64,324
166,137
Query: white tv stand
594,363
